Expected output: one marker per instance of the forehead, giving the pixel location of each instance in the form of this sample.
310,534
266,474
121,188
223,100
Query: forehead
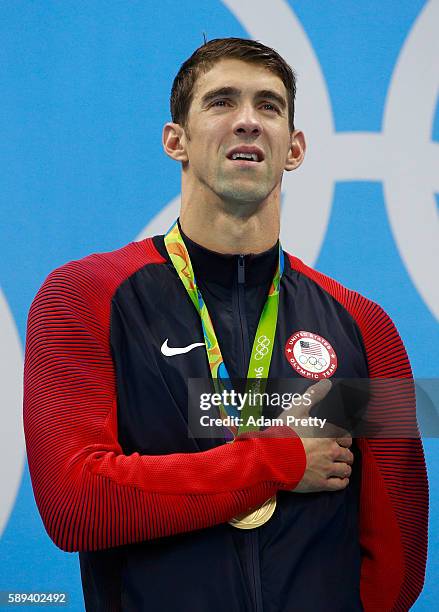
246,76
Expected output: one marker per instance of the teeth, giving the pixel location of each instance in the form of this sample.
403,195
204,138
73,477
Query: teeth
249,156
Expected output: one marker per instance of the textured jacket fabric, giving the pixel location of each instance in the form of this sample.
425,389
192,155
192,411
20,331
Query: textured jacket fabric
117,478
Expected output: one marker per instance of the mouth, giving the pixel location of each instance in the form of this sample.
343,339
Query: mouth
245,155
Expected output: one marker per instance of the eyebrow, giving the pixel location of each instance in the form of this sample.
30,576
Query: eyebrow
234,92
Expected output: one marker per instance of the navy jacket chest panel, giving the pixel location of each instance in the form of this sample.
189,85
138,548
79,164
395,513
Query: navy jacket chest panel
304,306
152,306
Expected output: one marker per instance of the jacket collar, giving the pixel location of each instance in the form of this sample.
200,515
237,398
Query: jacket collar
222,269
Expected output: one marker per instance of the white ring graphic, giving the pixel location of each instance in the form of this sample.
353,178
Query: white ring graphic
12,437
412,173
263,341
262,347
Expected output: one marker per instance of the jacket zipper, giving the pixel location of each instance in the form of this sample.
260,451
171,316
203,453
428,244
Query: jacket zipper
245,358
245,341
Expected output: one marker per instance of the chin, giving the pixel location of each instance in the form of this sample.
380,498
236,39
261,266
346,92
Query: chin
238,194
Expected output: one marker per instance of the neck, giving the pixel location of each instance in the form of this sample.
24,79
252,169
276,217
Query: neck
223,231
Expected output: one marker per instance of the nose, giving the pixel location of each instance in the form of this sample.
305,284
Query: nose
247,121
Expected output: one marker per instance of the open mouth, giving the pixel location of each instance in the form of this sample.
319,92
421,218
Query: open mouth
250,155
246,156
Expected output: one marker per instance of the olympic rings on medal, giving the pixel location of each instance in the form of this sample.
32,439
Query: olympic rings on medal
262,347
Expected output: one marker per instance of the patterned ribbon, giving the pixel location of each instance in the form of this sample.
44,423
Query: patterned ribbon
262,350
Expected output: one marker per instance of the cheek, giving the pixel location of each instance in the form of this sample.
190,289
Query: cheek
207,143
214,134
281,144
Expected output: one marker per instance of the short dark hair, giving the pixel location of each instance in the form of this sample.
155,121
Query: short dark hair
204,58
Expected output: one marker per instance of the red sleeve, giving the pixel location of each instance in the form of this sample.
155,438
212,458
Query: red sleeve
394,494
90,495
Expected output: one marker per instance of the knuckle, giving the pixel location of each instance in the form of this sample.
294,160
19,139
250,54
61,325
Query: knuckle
345,472
346,441
330,485
336,484
334,451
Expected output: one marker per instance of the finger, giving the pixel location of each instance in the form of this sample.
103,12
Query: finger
344,456
319,390
315,394
336,484
340,470
346,441
329,430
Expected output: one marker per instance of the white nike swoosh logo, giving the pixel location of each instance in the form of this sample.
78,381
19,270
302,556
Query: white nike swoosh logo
171,351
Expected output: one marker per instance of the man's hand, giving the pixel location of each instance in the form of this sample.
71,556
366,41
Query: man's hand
328,460
328,465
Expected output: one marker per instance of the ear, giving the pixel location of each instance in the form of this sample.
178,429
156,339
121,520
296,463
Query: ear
296,152
174,142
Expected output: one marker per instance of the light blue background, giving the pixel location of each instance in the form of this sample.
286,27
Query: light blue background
85,92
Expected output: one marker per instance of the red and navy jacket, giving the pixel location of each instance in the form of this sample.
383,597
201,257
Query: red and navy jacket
117,478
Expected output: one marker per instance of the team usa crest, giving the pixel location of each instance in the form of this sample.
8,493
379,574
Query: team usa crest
311,355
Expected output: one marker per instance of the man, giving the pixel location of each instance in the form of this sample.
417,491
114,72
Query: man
156,515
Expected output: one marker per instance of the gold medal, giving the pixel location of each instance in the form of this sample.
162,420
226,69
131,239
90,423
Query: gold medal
257,517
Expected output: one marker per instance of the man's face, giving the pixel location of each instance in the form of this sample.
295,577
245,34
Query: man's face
238,110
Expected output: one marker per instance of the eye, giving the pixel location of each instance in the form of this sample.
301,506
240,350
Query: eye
269,106
221,103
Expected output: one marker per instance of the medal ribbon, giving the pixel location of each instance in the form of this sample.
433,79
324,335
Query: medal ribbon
262,350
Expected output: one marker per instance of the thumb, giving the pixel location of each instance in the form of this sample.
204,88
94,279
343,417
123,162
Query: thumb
312,396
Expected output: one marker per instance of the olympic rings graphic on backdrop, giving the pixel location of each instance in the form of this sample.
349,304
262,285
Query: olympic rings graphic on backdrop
364,156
